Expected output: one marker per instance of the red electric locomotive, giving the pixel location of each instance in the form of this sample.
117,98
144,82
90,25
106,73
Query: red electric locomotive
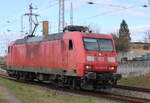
74,58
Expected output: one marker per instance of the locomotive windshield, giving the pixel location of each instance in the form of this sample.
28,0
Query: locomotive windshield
98,44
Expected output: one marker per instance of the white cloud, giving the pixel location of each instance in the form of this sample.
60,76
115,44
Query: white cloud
132,13
140,29
110,3
133,29
76,3
110,7
145,0
137,32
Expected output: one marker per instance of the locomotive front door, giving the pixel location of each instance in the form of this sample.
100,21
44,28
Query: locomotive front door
71,52
68,59
64,45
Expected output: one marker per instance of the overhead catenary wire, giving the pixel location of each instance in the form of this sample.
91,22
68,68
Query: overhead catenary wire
13,19
55,2
114,11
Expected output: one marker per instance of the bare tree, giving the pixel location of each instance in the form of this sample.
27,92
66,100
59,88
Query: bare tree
147,36
116,39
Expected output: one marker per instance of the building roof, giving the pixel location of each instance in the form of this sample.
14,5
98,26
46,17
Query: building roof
139,43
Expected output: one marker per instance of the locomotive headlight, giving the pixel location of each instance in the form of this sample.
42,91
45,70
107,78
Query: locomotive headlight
111,59
89,67
111,68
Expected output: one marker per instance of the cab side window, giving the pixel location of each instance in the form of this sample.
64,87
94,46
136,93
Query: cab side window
70,45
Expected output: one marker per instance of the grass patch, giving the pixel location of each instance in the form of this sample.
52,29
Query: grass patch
140,81
35,94
3,100
1,59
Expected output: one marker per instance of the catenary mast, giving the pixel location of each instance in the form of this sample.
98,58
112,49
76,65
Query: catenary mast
61,24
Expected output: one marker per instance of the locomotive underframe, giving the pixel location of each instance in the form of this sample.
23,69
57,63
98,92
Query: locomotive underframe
95,80
101,79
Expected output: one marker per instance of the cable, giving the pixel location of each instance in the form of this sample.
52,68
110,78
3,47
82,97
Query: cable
112,11
50,6
17,15
43,9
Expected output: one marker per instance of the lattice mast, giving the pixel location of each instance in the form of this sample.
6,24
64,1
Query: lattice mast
61,24
71,14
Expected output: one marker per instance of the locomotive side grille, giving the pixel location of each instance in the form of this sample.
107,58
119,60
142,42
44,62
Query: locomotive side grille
101,59
100,67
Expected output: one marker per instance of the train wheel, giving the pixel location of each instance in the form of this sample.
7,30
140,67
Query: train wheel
72,83
78,84
94,85
114,83
83,84
18,77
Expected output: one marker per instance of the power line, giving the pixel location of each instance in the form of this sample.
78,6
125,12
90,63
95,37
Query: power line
14,16
48,7
115,11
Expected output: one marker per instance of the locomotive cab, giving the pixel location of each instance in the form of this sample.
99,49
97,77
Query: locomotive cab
100,54
101,60
95,57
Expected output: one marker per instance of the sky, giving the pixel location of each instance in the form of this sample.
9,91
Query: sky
104,16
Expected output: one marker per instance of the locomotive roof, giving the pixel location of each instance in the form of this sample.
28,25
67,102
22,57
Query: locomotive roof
49,37
25,40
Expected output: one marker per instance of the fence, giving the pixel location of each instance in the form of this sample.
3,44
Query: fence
134,68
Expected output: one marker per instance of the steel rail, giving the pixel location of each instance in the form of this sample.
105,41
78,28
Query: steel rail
131,88
91,93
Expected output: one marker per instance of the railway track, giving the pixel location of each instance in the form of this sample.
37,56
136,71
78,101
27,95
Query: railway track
97,94
137,89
